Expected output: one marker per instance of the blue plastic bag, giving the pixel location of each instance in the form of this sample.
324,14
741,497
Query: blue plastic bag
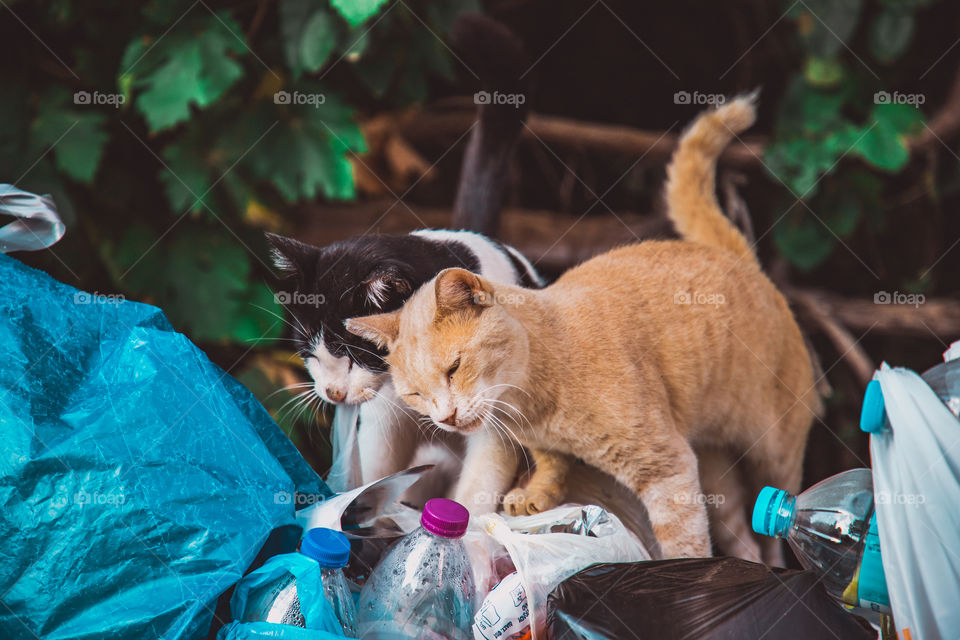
314,607
138,480
268,631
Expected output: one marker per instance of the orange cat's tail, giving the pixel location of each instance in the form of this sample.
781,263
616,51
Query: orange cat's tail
691,198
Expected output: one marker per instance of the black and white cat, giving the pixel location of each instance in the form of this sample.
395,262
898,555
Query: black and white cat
369,274
377,273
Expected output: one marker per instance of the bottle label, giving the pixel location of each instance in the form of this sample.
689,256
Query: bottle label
872,585
505,612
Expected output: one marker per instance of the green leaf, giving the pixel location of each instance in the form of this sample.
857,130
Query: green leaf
357,43
200,276
187,175
307,155
825,26
186,67
885,143
442,15
891,33
906,119
823,72
318,41
357,11
376,73
802,240
807,235
294,16
78,137
798,164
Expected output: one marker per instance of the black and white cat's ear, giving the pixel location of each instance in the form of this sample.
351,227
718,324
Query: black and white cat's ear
381,329
461,290
385,281
290,256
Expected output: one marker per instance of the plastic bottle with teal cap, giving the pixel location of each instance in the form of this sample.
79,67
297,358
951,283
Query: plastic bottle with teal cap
832,530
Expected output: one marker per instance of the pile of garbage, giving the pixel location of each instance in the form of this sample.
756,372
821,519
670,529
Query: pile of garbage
122,522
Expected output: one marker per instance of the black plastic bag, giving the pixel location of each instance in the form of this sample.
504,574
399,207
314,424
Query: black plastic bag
697,598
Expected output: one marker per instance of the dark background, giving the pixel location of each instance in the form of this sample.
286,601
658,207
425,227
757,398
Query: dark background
167,196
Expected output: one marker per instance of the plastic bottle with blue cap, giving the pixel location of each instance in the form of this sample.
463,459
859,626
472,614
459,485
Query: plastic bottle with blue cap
832,529
306,589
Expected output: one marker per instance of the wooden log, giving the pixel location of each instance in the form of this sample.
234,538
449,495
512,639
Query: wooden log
557,241
657,146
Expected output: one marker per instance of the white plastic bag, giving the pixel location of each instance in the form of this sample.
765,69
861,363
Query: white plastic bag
544,560
37,224
376,502
345,469
916,480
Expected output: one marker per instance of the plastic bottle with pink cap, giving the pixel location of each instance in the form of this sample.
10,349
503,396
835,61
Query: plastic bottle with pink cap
423,588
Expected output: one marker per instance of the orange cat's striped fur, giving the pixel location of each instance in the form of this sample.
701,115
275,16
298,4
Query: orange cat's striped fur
630,360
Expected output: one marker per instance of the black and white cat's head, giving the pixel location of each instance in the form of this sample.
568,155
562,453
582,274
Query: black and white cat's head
322,288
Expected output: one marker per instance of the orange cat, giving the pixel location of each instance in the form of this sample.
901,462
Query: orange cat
629,360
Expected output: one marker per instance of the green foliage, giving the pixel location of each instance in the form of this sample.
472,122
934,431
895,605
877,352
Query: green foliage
76,138
836,123
357,11
193,124
190,66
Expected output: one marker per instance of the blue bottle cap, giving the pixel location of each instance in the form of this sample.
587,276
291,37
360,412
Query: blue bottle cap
770,516
329,548
873,415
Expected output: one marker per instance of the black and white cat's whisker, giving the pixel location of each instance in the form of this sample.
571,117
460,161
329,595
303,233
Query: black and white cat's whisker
295,399
300,403
258,340
301,330
290,387
350,347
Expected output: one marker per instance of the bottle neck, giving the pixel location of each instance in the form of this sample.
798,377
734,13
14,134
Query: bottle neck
784,516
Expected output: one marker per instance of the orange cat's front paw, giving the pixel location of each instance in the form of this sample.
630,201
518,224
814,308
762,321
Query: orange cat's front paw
527,501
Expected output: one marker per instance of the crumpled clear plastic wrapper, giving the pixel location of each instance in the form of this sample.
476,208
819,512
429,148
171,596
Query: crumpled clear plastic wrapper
549,547
138,480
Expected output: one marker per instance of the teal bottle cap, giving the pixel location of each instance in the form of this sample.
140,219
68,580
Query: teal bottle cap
769,515
873,415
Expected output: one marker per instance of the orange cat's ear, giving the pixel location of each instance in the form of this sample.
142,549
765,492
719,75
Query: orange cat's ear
460,290
380,329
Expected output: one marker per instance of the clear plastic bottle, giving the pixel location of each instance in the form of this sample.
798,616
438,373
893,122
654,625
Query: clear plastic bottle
832,529
424,587
278,601
332,550
943,379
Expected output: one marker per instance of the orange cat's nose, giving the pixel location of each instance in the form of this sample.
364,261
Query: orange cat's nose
451,420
